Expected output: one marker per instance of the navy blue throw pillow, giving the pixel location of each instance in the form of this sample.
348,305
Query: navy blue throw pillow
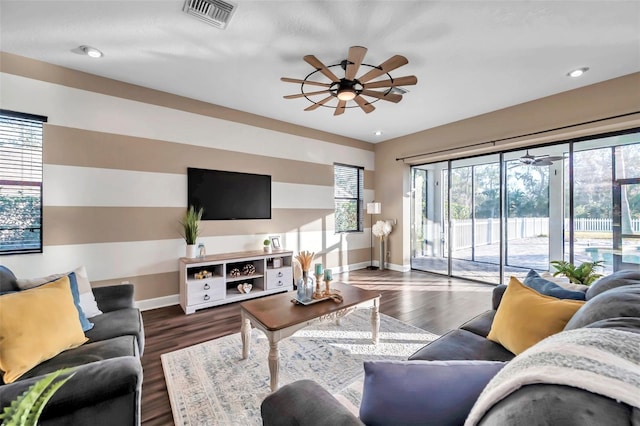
424,393
548,288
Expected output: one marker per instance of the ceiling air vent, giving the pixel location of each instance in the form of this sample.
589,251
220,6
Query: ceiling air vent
214,12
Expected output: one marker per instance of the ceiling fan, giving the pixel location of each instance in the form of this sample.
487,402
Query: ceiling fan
538,160
352,88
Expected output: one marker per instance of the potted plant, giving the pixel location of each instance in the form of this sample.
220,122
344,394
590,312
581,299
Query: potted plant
190,224
26,409
584,274
267,245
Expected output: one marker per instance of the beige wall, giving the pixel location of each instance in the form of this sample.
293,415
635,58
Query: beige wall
116,156
115,161
611,98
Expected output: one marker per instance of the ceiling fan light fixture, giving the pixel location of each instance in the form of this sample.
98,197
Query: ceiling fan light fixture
353,86
346,94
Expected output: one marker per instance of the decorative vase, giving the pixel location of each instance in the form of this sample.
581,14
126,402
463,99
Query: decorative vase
191,251
305,287
381,262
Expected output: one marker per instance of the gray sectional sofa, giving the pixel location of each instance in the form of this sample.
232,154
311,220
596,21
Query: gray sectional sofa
106,388
444,367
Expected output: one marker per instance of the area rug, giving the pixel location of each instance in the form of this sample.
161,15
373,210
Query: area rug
210,383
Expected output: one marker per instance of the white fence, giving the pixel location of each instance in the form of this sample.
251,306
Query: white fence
599,225
488,230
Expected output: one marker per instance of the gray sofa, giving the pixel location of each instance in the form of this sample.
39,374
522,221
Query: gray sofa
106,388
611,303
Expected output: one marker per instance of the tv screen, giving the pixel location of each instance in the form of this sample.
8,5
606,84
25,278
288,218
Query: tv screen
229,195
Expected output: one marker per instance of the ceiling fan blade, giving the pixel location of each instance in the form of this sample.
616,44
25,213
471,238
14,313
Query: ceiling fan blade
302,95
390,64
391,97
312,83
400,81
362,102
552,158
315,62
319,103
541,162
356,55
340,108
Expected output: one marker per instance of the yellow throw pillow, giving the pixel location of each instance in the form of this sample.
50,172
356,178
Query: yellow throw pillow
36,325
525,317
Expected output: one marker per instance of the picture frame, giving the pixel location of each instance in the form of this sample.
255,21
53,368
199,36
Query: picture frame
275,242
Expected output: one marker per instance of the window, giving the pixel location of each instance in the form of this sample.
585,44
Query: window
20,182
348,196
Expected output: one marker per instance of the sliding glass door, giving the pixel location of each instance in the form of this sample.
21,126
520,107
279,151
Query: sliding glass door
428,228
475,218
519,210
606,202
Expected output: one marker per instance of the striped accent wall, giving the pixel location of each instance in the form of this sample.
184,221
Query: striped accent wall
115,183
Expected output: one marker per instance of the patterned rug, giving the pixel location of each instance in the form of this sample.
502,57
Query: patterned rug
209,383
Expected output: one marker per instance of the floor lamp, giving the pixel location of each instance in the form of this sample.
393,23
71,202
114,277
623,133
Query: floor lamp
373,208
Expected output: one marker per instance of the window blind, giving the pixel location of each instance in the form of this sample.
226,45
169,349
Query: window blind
348,197
20,182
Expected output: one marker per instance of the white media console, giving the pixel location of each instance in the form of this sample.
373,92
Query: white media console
212,280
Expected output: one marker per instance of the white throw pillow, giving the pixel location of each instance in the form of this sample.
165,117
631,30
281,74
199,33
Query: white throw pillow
28,283
87,300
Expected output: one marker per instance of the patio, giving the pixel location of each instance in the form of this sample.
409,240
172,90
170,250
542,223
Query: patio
522,255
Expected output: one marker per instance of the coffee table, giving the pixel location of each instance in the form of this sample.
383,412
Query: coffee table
279,318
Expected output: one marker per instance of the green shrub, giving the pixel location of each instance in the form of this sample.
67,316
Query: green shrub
584,274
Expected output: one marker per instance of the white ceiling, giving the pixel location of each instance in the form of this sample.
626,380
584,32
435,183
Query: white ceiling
470,57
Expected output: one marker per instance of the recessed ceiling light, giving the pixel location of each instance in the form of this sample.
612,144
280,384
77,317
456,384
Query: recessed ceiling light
577,72
91,51
378,133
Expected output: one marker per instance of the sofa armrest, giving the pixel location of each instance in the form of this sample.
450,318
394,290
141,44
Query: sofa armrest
114,383
305,403
498,292
114,297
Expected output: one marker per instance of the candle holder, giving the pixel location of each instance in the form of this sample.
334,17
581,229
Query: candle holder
327,287
318,293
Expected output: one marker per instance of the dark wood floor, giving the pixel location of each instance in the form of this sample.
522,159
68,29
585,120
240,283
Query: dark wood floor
431,302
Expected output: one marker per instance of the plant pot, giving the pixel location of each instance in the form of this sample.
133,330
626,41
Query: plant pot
267,249
191,251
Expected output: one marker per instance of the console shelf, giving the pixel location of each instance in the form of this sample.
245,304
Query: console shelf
216,285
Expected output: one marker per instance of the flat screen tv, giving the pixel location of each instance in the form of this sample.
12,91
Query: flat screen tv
229,195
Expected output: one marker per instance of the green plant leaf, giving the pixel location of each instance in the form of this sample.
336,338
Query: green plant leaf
584,274
190,224
27,408
44,398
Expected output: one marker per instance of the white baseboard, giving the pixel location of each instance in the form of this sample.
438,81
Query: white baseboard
352,267
399,268
158,302
363,265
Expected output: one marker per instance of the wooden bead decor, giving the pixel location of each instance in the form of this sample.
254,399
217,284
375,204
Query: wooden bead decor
202,275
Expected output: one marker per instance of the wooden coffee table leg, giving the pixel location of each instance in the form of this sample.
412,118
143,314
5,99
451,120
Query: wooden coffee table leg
375,321
245,332
274,361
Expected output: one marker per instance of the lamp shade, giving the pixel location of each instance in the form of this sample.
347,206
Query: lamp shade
374,208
